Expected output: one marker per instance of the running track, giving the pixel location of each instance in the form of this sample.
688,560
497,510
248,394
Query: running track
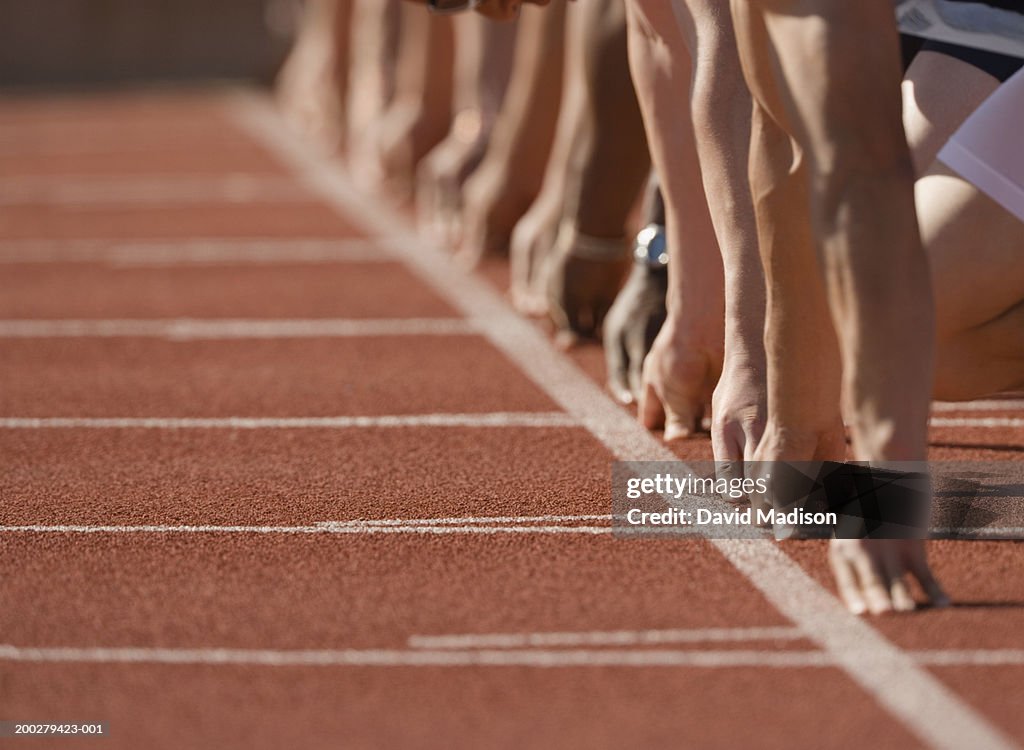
275,474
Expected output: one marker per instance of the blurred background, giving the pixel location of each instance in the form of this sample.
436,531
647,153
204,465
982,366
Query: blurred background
92,43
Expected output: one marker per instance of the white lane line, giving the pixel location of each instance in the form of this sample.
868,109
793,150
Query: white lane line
196,251
127,192
71,136
917,698
1004,657
603,638
320,528
987,405
442,525
470,520
489,419
988,422
547,524
540,658
188,329
990,533
419,658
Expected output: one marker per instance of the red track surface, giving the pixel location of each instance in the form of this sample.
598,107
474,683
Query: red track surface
364,593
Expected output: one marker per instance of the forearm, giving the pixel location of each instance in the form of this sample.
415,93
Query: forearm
332,19
881,300
423,77
613,161
696,288
800,341
721,116
875,268
483,65
373,49
524,134
571,115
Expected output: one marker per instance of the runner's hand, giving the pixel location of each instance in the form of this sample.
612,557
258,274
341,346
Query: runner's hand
580,291
532,241
439,181
678,377
739,412
492,204
870,574
632,323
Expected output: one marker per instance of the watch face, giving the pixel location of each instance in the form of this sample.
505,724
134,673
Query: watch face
652,247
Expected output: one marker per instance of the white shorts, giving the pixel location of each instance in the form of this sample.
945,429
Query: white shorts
988,149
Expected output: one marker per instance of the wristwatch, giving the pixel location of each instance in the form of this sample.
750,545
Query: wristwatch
651,249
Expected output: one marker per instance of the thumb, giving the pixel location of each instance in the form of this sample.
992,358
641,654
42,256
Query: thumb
651,411
753,432
617,366
682,418
728,452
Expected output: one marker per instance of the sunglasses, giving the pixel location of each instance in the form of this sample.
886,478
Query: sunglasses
445,7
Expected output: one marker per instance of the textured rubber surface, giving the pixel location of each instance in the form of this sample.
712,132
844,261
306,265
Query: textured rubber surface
216,707
173,222
268,588
298,476
261,377
320,290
